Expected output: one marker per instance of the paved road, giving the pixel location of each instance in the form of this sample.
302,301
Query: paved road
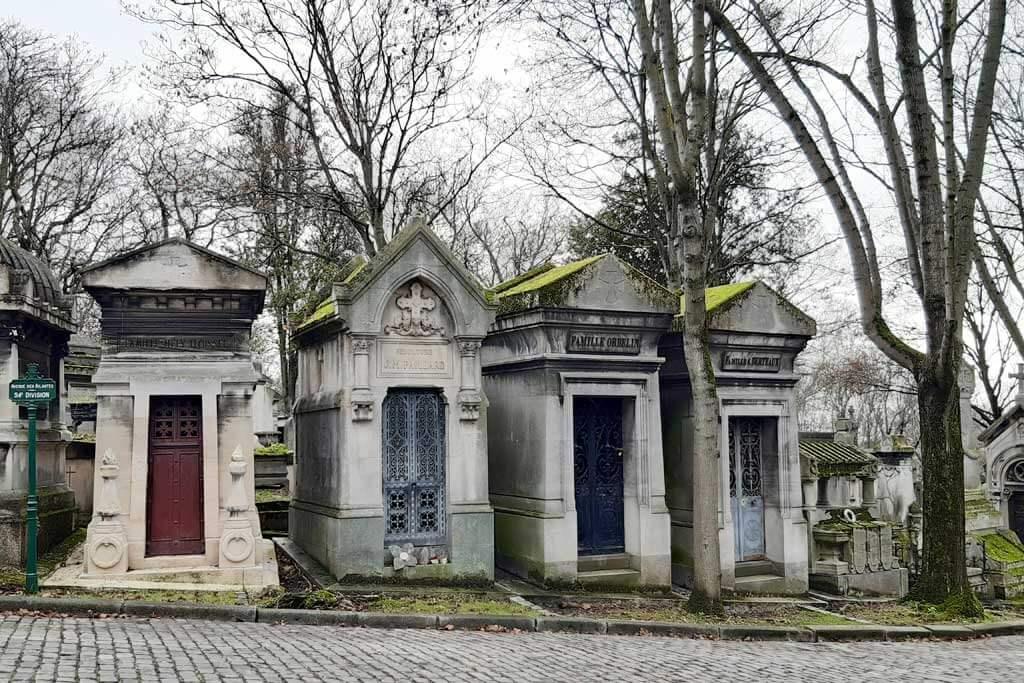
53,649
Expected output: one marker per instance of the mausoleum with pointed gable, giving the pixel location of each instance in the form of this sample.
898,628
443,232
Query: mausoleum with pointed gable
755,336
391,448
574,425
174,435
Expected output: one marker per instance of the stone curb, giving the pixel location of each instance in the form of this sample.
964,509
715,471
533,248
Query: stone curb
185,610
755,632
557,624
482,621
73,606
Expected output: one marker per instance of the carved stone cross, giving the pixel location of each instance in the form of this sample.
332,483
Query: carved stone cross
1020,379
414,320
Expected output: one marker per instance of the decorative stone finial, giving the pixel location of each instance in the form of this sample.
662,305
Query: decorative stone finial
238,502
1019,376
108,504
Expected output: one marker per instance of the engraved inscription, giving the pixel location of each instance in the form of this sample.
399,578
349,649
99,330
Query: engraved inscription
745,361
598,342
410,358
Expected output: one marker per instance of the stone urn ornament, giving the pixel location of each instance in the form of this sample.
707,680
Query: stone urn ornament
106,541
237,543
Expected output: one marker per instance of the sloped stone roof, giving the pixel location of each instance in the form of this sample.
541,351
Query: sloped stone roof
833,457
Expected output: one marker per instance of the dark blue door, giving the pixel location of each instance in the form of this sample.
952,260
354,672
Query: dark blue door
597,438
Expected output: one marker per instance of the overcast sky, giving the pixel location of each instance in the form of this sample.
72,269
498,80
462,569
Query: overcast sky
100,23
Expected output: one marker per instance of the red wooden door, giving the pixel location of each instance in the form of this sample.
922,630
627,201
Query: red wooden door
174,515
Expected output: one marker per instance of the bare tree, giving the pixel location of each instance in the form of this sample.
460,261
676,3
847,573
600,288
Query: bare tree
681,132
935,202
60,146
370,81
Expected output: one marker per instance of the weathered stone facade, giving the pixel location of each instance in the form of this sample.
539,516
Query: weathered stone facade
574,427
391,450
35,325
174,437
755,337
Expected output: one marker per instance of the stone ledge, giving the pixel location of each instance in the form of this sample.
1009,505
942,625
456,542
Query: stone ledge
571,625
189,611
661,628
311,617
755,632
73,606
852,632
386,620
480,621
893,633
999,628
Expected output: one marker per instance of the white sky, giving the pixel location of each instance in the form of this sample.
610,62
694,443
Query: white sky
100,23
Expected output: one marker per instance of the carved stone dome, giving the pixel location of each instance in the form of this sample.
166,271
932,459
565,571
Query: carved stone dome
19,264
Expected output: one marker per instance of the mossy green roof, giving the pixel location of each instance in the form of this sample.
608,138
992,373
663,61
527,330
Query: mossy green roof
325,310
523,277
546,277
716,297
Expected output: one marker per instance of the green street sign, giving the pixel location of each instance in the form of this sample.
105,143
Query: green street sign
33,390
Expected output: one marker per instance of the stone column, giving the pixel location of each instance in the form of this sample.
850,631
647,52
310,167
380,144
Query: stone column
469,390
362,399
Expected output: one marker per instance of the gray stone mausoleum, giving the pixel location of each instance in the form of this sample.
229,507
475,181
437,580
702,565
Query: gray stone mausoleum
391,450
35,325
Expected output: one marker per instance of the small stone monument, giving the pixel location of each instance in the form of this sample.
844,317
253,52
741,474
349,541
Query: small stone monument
106,538
236,541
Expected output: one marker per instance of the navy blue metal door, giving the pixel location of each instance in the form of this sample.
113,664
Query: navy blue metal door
597,438
414,481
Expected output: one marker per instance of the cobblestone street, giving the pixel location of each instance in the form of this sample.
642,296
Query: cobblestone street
54,649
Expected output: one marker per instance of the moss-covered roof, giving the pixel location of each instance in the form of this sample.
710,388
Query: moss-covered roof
523,277
325,310
544,278
830,453
720,295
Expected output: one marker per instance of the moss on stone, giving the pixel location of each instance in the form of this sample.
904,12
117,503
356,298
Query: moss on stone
1001,547
523,277
325,310
549,277
717,297
272,449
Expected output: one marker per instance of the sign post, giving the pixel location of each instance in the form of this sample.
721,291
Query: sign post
32,391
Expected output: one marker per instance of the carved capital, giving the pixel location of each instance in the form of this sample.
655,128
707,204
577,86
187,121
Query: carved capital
469,405
362,345
469,347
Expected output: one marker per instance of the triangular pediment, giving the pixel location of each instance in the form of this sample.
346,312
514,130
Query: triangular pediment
756,308
173,264
597,283
415,244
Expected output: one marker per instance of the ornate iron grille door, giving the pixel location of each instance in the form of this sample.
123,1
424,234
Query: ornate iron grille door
745,487
414,477
597,458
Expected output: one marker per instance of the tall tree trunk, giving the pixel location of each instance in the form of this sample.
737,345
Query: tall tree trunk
944,574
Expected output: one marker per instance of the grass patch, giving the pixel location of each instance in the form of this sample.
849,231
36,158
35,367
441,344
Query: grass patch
910,614
200,597
13,578
676,611
412,604
271,495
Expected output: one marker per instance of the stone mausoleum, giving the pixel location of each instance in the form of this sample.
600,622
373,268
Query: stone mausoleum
391,448
35,325
173,491
574,424
755,337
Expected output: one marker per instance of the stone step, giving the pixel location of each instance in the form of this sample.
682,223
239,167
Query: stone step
591,563
618,577
754,568
761,583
